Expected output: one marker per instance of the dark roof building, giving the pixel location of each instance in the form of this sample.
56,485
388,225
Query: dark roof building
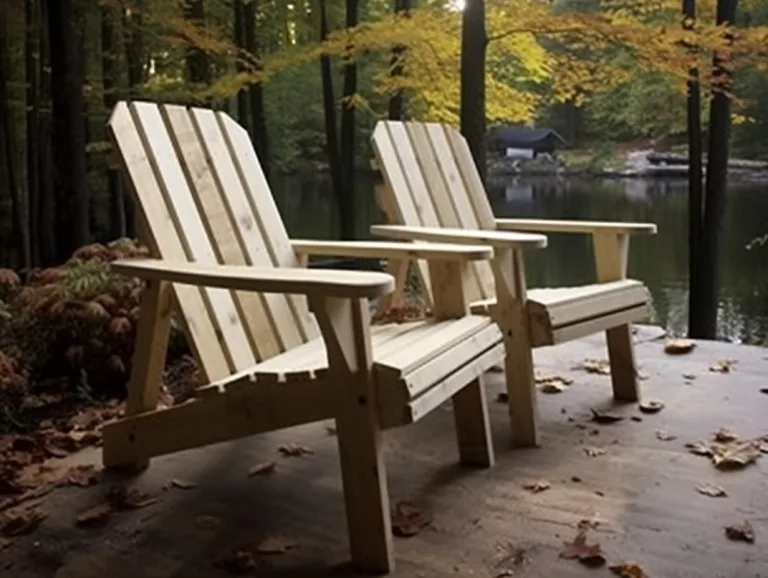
539,140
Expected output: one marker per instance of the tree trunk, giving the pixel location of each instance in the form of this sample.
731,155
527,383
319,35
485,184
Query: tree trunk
256,91
117,225
135,56
329,107
704,325
47,207
32,66
347,151
7,148
72,226
695,193
396,106
198,63
243,106
472,108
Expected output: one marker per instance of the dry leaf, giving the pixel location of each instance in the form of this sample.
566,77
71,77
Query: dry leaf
408,519
538,486
737,456
502,397
276,545
636,418
294,450
552,387
664,436
237,562
628,570
83,475
689,376
94,517
121,498
599,366
590,555
261,469
699,448
678,346
743,532
724,435
183,484
5,544
604,418
594,452
22,522
764,390
651,406
722,366
586,524
207,522
712,491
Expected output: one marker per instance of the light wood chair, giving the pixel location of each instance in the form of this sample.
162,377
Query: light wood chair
279,344
433,192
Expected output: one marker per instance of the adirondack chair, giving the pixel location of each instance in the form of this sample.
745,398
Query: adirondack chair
432,191
279,344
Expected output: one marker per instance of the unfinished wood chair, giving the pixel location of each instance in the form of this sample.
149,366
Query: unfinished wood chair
281,345
432,191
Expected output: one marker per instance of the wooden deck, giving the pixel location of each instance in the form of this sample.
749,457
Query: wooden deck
642,490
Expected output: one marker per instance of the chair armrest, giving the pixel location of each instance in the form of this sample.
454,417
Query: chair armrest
393,250
557,226
310,282
496,239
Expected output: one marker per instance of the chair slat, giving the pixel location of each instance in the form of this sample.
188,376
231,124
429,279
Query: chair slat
221,228
165,241
263,206
189,225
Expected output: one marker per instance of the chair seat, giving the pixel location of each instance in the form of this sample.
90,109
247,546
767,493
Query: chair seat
417,364
562,313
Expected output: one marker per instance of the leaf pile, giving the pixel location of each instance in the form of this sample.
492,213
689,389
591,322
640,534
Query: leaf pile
401,314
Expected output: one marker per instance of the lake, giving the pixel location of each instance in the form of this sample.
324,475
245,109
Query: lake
661,261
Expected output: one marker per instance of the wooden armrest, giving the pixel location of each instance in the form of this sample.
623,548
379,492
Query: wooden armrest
557,226
499,239
393,250
325,282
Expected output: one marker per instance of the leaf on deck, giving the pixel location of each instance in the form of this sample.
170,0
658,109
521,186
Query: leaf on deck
262,468
183,484
724,435
664,436
712,491
594,452
276,545
726,451
651,406
537,486
502,397
121,498
408,519
82,475
16,523
679,346
722,366
587,554
741,532
237,562
294,450
599,366
605,417
628,570
95,516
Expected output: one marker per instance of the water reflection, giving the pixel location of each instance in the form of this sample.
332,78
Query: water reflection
661,261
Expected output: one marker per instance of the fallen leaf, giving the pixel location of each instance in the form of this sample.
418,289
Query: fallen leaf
763,448
83,475
22,522
276,545
294,450
5,544
664,436
502,397
261,469
237,562
586,524
722,366
552,387
25,497
743,532
651,406
183,484
589,555
95,516
538,486
636,418
699,448
207,522
511,558
628,570
737,457
121,498
764,390
689,376
496,369
712,491
599,366
724,435
408,519
679,346
604,418
594,452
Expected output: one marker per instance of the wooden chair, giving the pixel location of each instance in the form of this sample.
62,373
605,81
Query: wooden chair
281,345
432,191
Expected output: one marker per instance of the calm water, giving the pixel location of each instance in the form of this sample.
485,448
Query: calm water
661,261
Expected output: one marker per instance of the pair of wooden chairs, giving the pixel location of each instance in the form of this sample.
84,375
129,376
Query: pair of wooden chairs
281,345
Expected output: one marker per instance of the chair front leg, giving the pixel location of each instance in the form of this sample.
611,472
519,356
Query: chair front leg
611,258
345,326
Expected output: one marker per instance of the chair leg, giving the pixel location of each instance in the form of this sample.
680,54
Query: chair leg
470,414
365,492
521,389
621,354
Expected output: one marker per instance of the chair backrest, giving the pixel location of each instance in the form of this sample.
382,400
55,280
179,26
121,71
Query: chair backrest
201,196
431,180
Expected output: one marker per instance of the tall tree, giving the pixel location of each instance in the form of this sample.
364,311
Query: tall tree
256,90
703,323
395,107
32,72
198,61
347,131
69,160
472,79
243,106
